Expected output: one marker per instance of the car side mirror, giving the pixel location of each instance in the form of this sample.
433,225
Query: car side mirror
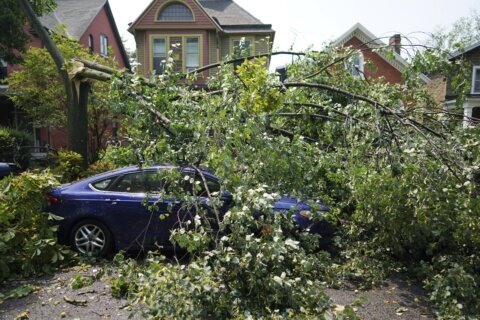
227,197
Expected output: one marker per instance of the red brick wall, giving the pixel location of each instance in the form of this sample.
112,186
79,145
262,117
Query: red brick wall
382,67
100,25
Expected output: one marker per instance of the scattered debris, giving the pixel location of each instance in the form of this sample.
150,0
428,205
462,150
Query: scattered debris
23,315
81,303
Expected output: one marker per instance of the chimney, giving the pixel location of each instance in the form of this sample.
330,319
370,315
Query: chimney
395,42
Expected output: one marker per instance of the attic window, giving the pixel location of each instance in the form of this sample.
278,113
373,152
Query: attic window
355,65
175,12
476,80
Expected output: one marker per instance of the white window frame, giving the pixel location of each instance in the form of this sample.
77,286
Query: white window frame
354,69
474,78
103,45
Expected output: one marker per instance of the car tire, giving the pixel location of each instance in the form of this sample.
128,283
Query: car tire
91,237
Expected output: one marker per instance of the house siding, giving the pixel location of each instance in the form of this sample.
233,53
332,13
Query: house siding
140,42
224,47
101,25
261,44
149,21
212,47
474,58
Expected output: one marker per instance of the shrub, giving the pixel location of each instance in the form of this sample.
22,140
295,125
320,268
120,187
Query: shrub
68,165
13,145
421,213
97,168
27,237
119,156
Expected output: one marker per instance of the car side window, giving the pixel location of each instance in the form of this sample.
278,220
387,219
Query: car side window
194,185
103,185
139,182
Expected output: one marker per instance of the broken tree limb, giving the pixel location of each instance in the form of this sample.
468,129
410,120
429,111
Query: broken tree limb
82,303
299,115
80,70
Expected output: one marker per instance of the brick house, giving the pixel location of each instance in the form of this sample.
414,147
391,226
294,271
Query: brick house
471,105
390,67
91,22
199,32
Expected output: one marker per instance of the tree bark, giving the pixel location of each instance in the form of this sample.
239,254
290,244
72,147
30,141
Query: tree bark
76,119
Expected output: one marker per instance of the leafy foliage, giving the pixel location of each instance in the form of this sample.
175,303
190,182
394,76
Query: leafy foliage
68,166
261,267
13,145
13,39
27,236
37,89
399,175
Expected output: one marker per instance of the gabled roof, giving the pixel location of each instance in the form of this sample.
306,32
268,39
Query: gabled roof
363,34
77,16
467,49
74,14
373,42
226,16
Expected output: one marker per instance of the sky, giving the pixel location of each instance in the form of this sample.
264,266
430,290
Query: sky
300,24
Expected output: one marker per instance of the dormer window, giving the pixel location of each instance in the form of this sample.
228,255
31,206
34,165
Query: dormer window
476,80
175,12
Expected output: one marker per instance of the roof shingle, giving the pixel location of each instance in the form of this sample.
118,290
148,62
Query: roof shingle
74,14
233,18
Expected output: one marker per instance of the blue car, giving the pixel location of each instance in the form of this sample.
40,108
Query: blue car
8,168
123,209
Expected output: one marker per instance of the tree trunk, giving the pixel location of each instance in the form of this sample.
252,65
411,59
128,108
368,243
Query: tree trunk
77,122
77,119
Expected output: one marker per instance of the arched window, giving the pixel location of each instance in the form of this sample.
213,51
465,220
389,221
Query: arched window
175,12
90,43
103,45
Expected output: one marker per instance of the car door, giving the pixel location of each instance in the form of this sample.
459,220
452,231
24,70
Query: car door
144,214
132,219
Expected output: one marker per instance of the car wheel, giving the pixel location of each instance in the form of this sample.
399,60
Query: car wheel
91,237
